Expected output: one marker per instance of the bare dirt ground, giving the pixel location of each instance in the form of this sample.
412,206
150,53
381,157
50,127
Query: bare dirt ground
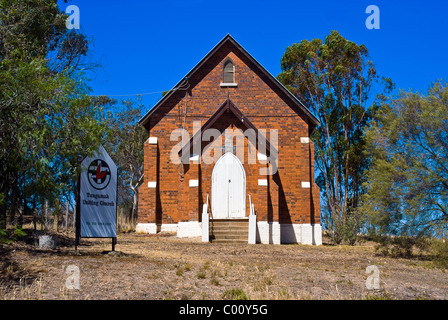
165,267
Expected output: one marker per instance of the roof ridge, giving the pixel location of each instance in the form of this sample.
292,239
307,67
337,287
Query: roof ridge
226,38
228,105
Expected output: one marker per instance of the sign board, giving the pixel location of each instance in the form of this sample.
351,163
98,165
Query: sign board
98,196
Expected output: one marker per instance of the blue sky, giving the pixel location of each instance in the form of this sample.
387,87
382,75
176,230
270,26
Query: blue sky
147,46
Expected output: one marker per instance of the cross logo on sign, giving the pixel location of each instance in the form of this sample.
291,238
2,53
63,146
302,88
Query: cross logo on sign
98,174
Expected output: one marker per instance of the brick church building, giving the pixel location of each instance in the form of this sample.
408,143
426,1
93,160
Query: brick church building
229,156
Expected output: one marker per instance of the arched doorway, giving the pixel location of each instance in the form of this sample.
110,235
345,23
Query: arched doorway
228,188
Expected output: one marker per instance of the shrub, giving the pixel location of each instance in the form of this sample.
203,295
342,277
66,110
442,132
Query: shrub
179,271
3,236
396,247
402,247
234,294
214,281
381,296
7,236
201,274
18,233
439,248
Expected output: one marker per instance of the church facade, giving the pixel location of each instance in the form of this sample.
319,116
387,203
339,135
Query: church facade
229,145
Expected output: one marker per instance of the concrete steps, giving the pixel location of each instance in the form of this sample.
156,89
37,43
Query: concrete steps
234,231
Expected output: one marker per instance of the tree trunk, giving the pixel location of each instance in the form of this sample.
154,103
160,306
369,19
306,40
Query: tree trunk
56,221
74,218
134,206
66,215
21,213
3,216
33,210
13,209
45,216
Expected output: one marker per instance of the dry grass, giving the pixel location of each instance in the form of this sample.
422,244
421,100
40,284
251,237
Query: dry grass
165,267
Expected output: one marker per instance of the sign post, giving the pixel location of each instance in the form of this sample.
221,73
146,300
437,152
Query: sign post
97,198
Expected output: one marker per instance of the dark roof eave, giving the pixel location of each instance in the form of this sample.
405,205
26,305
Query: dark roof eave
228,37
227,106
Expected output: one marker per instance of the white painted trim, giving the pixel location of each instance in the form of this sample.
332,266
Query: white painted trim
265,232
194,157
152,184
268,232
168,227
150,228
262,157
291,233
306,184
317,234
252,229
152,140
304,140
275,233
263,182
189,229
229,84
307,234
193,183
205,225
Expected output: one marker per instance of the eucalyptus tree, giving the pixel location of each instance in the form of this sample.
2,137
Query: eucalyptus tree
47,120
334,78
125,141
408,178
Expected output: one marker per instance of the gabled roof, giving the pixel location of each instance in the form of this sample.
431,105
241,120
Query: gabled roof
228,106
229,38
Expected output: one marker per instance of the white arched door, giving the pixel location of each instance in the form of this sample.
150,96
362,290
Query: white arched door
228,188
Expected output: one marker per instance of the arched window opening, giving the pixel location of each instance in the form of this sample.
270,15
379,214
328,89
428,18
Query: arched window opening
229,72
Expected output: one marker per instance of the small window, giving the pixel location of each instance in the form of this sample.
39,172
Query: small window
229,72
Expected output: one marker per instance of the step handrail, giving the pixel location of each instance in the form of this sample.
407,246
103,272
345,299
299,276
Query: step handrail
252,232
251,206
206,207
205,222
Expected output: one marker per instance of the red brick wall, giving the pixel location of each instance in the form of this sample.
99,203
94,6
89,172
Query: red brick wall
284,199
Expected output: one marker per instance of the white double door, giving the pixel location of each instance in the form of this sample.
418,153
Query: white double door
228,188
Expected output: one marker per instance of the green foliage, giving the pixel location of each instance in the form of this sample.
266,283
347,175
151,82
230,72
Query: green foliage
234,294
3,236
430,248
47,121
124,141
18,233
201,274
378,296
439,248
179,271
29,28
395,247
15,234
214,278
408,178
334,79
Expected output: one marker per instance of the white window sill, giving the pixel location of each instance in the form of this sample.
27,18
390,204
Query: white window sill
193,183
306,184
229,84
